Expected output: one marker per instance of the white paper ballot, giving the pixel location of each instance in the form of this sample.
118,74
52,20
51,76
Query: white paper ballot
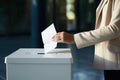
47,35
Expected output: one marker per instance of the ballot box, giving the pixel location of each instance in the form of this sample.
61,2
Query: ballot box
33,64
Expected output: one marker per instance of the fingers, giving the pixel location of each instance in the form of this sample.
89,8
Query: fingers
57,37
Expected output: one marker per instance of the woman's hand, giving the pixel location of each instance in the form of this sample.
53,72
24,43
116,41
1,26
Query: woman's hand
64,37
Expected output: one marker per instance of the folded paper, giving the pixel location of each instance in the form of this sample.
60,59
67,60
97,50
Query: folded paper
47,35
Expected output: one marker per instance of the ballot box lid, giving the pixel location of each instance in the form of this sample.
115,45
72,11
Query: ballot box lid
36,55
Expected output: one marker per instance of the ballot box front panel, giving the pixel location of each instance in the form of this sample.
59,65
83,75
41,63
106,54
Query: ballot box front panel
39,72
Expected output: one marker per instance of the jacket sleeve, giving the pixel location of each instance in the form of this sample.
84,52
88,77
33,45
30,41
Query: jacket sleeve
105,33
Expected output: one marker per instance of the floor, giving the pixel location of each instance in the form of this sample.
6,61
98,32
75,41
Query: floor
83,58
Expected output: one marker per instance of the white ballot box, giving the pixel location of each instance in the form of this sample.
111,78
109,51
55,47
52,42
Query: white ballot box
32,64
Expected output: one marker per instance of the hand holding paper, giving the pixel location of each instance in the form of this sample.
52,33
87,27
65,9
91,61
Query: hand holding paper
64,37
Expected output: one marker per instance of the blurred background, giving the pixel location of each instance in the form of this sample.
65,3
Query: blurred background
21,23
